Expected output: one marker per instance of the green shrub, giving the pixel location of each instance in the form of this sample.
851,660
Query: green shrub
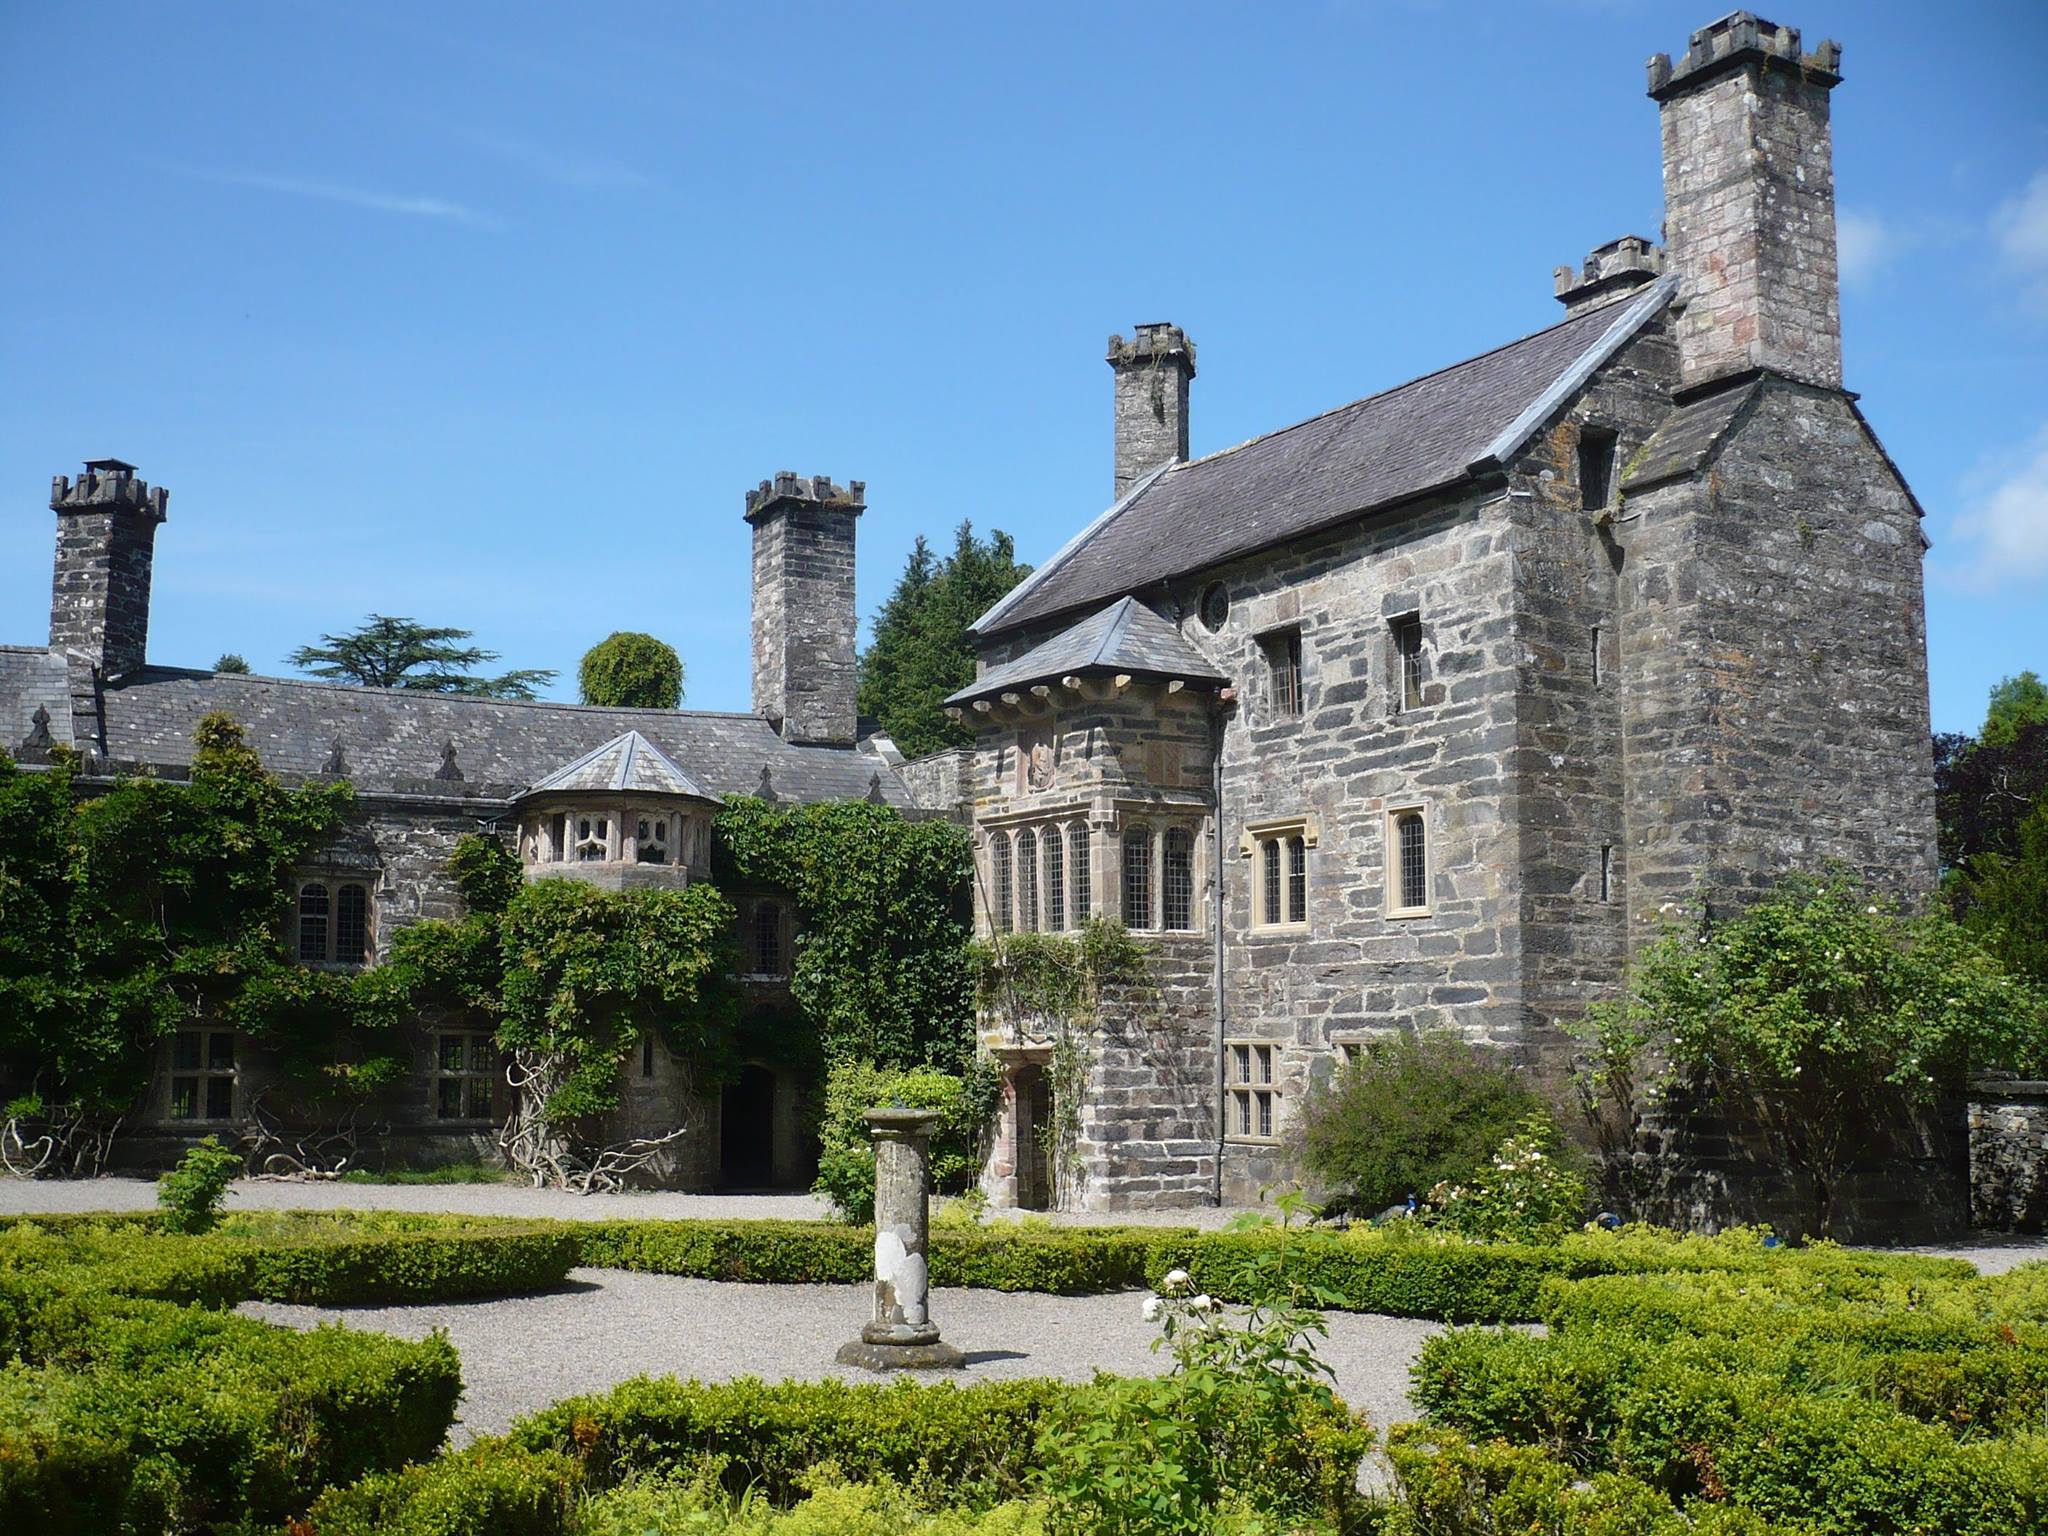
489,1489
629,670
952,1444
191,1194
833,1509
846,1154
1530,1190
1412,1111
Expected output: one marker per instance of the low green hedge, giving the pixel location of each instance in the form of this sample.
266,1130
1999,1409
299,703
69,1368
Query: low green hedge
148,1417
490,1489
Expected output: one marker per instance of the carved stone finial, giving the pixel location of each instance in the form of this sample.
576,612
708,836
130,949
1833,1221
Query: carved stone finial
767,789
337,760
875,789
450,770
38,738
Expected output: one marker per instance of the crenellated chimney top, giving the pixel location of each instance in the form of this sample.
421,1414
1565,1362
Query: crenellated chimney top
99,586
1152,372
1612,271
804,621
1740,38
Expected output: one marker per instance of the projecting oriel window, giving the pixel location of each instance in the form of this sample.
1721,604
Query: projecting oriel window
593,838
1137,877
1283,671
1027,880
1084,895
999,880
1177,879
650,839
1596,468
1253,1108
1055,879
1407,632
1407,863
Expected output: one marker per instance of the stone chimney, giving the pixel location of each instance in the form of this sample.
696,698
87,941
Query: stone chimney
99,593
1613,271
1152,373
1749,201
803,606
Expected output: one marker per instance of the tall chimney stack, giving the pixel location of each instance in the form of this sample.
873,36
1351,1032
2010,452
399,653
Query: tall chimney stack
1152,373
804,679
99,590
1749,201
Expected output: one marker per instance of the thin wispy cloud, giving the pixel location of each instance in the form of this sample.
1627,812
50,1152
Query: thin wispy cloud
2004,534
1864,242
406,204
2021,228
566,168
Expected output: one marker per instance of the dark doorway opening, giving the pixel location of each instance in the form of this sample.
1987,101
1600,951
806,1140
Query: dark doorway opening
1032,1154
746,1130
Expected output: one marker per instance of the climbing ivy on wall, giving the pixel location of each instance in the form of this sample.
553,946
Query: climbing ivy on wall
881,971
152,904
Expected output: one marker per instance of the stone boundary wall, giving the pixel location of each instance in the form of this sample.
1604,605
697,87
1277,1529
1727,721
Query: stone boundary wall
2009,1154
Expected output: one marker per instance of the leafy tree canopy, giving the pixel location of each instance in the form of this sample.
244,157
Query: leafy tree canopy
386,652
626,670
921,651
231,661
2016,704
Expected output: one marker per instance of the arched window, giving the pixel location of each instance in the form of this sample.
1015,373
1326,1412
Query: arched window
1027,880
1408,880
1137,877
999,879
1084,895
593,836
313,912
768,939
352,925
1055,879
650,840
1269,884
1177,879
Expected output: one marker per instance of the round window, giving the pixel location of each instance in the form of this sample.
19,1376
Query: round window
1215,605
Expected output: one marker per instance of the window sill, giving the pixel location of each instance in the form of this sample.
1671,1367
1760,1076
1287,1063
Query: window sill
1251,1141
1278,930
1408,914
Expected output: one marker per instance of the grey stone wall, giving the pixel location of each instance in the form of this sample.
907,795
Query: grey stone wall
1774,664
2008,1121
943,782
1749,202
804,619
1151,404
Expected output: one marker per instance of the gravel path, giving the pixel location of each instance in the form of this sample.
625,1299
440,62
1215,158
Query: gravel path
522,1353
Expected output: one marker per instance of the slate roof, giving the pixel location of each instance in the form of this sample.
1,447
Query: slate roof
1124,637
1424,435
392,741
627,762
1688,438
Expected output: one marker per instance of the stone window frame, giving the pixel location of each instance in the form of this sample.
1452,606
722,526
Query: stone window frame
1286,654
1253,1099
203,1072
478,1045
1407,665
660,825
1080,869
1155,823
1135,880
603,838
1288,837
1397,814
752,940
332,883
1597,456
1002,905
1003,877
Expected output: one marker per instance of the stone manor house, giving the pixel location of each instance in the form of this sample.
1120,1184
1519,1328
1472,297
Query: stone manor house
1416,713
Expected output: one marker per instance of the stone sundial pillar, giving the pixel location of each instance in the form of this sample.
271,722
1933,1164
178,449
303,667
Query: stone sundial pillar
902,1335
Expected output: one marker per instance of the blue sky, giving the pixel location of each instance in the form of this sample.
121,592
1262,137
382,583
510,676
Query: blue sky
488,313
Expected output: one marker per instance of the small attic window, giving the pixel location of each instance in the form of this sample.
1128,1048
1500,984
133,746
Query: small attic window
1596,467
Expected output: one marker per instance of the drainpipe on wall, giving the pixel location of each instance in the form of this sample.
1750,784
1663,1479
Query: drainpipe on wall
1216,923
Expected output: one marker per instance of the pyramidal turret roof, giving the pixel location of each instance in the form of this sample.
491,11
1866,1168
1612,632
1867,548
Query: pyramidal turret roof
1124,637
627,762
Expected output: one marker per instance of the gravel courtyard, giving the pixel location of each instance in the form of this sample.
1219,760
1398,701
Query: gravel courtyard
524,1352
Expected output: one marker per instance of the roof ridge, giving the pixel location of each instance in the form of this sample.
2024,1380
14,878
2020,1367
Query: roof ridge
239,678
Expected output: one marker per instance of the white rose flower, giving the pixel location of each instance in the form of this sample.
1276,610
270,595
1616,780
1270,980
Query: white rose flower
1175,1280
1151,1309
1203,1303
